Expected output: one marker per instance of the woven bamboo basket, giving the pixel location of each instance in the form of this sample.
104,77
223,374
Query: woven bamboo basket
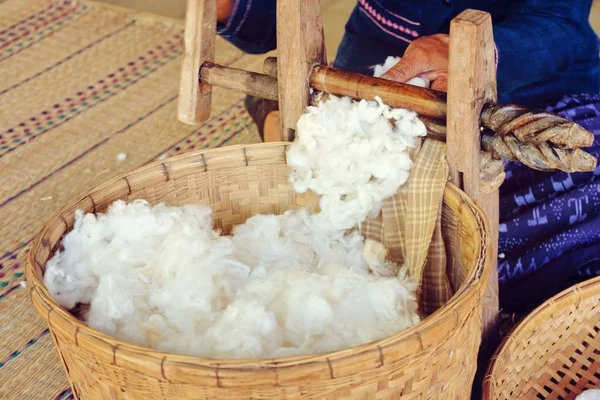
554,353
435,359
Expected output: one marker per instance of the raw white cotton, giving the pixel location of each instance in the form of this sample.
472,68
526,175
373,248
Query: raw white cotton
592,394
381,69
280,285
389,62
23,284
121,157
350,154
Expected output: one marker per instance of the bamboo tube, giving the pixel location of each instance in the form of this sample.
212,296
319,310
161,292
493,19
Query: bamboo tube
426,102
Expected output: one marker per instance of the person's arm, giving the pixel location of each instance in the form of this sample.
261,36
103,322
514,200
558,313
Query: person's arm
541,38
248,24
534,42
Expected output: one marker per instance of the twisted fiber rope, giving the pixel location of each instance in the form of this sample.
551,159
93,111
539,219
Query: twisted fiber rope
542,156
541,140
535,127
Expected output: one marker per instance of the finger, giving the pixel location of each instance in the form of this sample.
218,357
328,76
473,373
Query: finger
405,69
438,79
441,83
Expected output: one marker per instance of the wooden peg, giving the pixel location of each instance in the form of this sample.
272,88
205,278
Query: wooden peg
250,83
270,66
199,47
271,131
300,46
471,84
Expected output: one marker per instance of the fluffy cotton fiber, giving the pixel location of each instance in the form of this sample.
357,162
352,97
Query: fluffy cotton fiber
593,394
279,285
389,63
350,154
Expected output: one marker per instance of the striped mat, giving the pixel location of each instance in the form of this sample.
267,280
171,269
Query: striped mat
81,83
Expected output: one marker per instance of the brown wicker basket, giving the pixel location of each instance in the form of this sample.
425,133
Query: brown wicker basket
434,360
554,353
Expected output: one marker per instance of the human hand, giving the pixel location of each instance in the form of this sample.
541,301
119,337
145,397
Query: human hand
426,57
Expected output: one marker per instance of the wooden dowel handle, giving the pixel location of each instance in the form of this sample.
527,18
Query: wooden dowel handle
250,83
270,66
425,102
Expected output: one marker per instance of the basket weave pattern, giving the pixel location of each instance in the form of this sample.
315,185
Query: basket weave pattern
552,354
434,360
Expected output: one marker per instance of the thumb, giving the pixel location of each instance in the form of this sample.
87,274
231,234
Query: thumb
407,68
441,83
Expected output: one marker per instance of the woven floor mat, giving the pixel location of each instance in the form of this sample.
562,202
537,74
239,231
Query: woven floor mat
81,83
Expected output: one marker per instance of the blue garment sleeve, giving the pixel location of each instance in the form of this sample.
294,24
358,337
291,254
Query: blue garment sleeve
251,26
540,39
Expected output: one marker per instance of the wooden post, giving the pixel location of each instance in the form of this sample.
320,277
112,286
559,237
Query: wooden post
199,46
471,84
300,45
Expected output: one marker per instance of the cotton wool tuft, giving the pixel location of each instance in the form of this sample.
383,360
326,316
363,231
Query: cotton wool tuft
350,154
389,62
279,285
591,394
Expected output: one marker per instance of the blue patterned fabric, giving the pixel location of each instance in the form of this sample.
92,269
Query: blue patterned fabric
550,222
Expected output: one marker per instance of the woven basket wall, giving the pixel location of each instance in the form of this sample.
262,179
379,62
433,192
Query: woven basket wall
434,360
554,353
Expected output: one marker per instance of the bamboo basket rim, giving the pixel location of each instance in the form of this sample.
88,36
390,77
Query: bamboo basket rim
583,289
475,278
